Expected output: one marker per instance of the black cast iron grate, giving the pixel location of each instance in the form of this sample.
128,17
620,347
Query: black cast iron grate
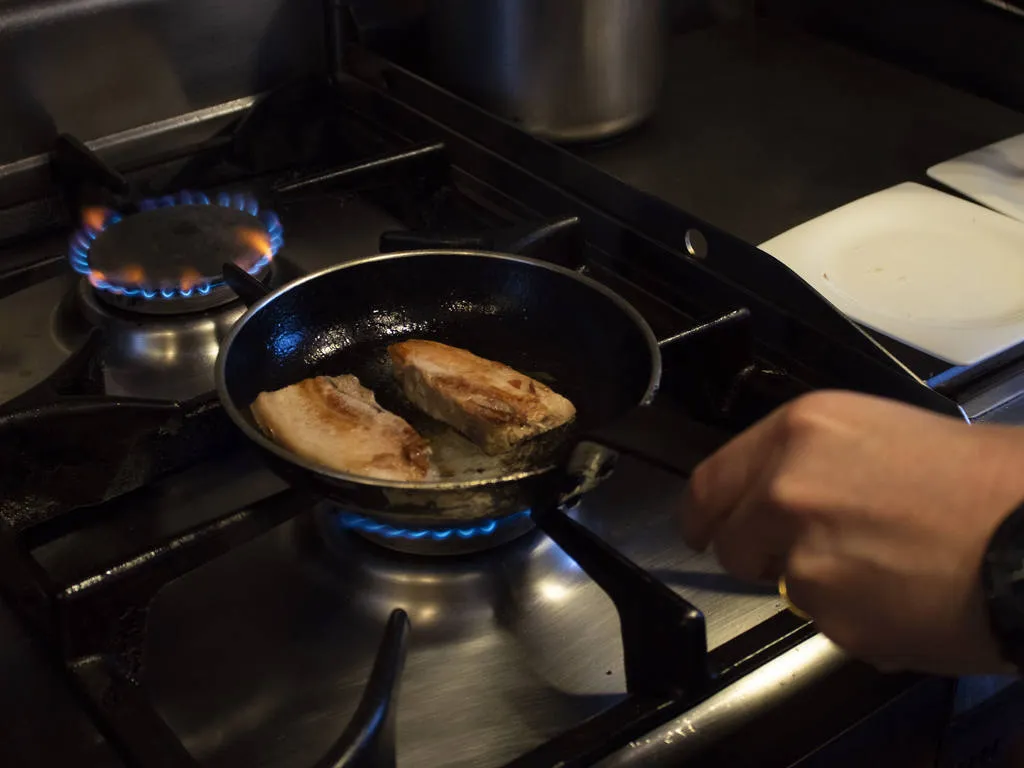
94,628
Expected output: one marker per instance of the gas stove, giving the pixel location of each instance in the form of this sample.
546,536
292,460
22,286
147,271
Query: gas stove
185,606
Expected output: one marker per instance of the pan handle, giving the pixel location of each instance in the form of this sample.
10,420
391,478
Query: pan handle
660,437
248,288
658,434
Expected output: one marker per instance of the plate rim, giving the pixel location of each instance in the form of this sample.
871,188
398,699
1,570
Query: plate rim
957,345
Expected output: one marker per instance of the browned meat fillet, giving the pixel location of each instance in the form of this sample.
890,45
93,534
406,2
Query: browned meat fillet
336,422
493,405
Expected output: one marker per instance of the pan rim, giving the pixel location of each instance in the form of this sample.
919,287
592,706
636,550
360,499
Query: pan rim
256,436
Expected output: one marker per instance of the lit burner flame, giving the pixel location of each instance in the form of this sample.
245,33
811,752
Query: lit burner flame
190,279
131,281
260,246
131,274
257,240
365,524
95,219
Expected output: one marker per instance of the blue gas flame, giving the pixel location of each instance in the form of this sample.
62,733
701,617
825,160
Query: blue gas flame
99,220
366,525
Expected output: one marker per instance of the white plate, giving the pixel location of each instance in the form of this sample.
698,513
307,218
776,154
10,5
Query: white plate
992,175
939,273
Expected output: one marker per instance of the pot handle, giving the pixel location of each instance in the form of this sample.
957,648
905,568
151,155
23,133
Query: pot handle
248,288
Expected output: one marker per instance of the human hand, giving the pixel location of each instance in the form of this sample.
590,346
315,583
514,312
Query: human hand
877,513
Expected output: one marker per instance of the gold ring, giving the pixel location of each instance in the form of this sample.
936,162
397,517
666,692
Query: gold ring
784,596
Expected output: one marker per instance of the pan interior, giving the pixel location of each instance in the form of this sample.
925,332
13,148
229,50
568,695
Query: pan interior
542,322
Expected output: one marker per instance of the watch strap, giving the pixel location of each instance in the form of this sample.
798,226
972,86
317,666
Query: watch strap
1003,582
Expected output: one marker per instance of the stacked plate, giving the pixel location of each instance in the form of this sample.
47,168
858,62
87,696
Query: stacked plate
937,272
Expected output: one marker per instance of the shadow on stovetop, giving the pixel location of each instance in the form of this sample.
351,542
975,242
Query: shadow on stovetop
722,583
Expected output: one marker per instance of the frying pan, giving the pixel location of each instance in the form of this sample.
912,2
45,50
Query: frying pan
556,325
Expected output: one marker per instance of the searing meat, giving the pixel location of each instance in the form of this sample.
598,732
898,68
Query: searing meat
493,405
336,422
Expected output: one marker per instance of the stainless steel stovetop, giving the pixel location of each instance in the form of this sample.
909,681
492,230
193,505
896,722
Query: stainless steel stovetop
259,654
260,657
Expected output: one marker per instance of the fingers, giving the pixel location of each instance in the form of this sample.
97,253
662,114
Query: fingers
752,543
719,483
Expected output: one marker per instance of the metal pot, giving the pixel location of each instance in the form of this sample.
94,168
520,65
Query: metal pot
565,70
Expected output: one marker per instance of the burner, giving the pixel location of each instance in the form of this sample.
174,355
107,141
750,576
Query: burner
455,540
166,357
167,258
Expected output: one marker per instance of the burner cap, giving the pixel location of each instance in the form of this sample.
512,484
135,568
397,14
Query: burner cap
167,257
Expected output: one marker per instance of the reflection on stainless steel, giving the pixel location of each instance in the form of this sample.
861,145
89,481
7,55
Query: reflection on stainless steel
1011,412
1007,6
473,691
508,648
28,353
30,176
568,71
163,357
94,68
732,708
1002,402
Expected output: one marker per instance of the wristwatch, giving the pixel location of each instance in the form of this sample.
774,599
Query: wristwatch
1002,575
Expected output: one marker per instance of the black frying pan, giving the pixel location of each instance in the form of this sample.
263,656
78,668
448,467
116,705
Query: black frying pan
582,339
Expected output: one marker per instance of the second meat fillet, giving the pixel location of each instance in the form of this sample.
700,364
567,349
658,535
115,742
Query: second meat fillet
492,404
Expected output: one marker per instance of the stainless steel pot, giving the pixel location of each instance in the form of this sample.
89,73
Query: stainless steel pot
566,70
